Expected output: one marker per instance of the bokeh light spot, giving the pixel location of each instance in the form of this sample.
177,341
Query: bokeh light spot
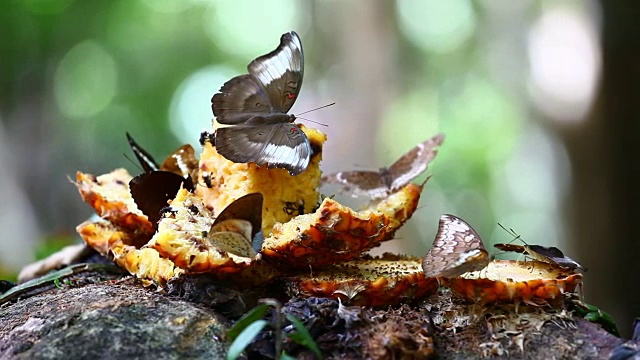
243,26
190,112
436,26
481,122
532,185
85,80
565,64
411,119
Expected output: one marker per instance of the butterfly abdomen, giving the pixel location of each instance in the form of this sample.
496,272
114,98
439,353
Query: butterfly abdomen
270,119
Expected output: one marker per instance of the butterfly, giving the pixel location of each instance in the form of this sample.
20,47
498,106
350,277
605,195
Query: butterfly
238,228
380,183
152,189
548,254
457,249
257,104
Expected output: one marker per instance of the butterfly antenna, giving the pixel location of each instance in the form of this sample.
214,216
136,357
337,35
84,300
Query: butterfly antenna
427,179
420,207
318,108
315,122
511,232
133,162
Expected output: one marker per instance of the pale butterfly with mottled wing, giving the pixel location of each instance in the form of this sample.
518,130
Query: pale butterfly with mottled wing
457,249
238,228
380,183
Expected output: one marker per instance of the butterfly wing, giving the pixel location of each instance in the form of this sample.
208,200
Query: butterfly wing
237,225
280,145
280,72
552,254
377,184
182,161
232,242
270,88
414,162
457,249
145,159
239,100
152,190
358,183
511,248
248,208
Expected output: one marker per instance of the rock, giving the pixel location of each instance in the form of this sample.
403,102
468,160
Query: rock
109,321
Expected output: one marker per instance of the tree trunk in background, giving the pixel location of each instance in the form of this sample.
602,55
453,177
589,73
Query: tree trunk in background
620,96
605,172
364,88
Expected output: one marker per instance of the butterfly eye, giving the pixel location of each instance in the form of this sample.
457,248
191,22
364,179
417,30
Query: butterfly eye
193,209
205,137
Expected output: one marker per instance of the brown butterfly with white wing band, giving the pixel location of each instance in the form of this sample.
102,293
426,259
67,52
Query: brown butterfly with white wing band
457,249
257,104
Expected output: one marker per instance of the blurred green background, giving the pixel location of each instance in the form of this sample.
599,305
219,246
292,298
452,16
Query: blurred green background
530,94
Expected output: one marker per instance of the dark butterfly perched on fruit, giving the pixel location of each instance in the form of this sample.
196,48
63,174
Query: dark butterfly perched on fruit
548,254
257,103
238,228
152,189
380,183
457,249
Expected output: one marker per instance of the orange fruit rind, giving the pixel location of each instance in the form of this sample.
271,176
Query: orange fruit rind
335,233
112,241
109,196
366,282
182,237
530,282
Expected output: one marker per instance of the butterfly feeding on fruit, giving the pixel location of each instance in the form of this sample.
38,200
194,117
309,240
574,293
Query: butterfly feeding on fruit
380,183
238,228
457,249
256,105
